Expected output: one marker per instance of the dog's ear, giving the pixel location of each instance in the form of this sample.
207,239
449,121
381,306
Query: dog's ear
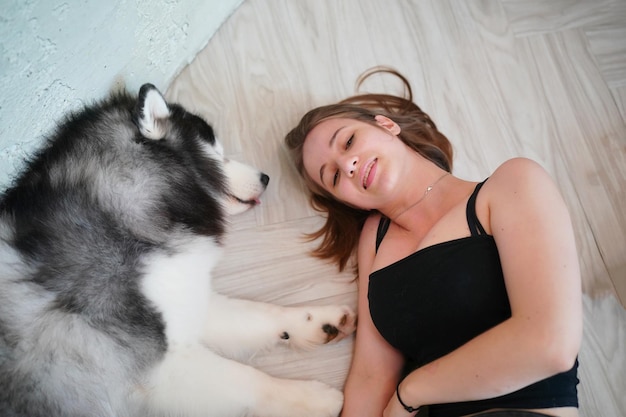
151,112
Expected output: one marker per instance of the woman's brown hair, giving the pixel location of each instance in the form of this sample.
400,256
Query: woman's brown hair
340,233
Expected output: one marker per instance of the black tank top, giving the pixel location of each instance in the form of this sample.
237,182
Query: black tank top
435,300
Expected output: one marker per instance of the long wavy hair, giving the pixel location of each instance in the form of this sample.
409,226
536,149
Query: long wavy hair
340,233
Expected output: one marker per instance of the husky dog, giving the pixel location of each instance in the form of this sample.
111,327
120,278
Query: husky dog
107,242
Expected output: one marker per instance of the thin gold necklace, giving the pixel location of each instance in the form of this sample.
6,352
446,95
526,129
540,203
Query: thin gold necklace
428,189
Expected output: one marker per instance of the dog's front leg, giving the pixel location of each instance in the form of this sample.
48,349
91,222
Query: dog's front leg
238,328
193,381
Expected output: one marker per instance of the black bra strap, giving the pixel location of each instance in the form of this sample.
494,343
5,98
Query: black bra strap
472,220
383,225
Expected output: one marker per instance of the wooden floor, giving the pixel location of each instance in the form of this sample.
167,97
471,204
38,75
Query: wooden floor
501,78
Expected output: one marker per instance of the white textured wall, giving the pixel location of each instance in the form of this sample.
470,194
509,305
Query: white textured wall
56,55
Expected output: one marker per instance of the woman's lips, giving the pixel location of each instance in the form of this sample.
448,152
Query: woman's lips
369,174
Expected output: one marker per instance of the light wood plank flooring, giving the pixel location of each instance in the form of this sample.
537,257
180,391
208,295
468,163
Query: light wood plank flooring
501,78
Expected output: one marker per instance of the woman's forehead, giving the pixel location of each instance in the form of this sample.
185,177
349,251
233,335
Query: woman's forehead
318,145
328,124
321,135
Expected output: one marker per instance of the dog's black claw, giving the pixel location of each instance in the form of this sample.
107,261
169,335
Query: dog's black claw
284,336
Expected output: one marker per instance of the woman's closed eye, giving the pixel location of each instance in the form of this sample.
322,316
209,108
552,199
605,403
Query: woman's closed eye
348,144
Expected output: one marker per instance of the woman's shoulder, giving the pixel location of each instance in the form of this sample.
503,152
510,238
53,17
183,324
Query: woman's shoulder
516,175
517,169
367,243
519,186
369,232
370,227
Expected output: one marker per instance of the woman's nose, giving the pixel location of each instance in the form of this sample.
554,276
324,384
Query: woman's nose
349,165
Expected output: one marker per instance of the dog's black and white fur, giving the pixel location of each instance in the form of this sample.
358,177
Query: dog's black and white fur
107,242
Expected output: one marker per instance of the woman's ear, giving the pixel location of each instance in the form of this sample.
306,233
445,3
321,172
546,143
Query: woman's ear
388,124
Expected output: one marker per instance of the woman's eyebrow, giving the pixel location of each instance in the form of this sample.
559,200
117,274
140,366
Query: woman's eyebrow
330,145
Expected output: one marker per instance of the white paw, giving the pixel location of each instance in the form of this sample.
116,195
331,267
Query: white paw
316,325
300,398
321,400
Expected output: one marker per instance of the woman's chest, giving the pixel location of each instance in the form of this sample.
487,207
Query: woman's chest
446,294
398,243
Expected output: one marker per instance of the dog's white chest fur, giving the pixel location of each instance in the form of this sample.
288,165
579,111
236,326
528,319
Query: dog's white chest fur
179,284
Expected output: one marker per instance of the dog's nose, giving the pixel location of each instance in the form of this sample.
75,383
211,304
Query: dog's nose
265,179
331,332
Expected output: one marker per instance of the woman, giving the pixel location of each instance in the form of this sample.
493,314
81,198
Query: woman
468,293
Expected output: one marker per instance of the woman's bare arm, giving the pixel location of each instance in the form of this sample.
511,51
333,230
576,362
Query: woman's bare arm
375,364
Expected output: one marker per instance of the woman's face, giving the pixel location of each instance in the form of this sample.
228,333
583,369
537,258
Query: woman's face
357,162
